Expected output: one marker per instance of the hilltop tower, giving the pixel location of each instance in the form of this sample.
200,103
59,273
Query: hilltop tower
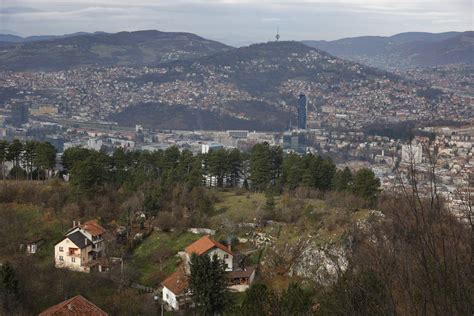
277,36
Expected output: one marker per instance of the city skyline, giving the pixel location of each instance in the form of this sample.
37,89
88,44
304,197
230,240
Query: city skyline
239,22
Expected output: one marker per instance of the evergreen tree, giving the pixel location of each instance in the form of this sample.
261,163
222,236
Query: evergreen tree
292,171
366,185
73,155
89,175
45,158
327,172
256,300
277,158
208,285
170,158
343,180
218,165
235,163
195,177
15,150
260,167
185,164
28,157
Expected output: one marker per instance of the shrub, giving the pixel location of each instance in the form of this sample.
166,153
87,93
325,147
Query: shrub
165,221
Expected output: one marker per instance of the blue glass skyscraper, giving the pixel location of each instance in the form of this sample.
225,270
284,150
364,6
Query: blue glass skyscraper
302,104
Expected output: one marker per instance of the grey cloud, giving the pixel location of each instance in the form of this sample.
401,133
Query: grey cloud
238,22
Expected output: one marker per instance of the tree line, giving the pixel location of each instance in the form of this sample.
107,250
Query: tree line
31,160
264,168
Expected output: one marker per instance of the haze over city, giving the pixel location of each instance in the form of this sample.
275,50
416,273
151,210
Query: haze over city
238,22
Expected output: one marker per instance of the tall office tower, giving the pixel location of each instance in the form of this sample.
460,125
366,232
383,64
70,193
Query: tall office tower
302,105
19,114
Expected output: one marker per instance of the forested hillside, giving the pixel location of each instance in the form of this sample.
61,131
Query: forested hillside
325,241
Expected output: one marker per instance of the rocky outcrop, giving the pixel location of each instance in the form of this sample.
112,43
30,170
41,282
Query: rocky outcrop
322,264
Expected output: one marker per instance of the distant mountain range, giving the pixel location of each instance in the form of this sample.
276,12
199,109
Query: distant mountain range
405,50
13,38
141,48
149,48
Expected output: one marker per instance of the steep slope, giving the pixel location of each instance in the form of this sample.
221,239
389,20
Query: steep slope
427,49
142,48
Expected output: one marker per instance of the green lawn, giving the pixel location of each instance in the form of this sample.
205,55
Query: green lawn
239,207
159,244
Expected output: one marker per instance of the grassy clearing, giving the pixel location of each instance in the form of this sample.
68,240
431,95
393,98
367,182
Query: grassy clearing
238,207
326,223
156,258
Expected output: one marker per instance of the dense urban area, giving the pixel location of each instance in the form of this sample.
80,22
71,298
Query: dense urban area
273,179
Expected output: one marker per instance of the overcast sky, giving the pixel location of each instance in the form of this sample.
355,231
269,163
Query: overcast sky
238,22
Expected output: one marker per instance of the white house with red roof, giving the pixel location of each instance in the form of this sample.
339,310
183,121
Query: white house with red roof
206,246
82,248
176,292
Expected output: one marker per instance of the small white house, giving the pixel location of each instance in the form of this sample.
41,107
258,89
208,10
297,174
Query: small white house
81,248
209,247
176,293
32,246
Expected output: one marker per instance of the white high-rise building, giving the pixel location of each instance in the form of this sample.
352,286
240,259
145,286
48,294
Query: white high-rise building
412,153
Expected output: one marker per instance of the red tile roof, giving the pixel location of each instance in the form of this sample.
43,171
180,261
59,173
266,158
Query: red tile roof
76,306
93,228
176,282
205,244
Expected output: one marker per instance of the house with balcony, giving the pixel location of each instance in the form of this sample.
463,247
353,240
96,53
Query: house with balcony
82,249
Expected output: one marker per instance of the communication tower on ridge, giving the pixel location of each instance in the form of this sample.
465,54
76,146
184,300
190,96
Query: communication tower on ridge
277,36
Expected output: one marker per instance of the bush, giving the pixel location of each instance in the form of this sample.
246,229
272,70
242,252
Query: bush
345,200
165,221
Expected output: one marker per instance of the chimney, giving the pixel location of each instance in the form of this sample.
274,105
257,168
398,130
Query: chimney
73,224
85,241
229,243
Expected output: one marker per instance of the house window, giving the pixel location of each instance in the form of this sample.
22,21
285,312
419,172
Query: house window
61,249
226,256
73,259
61,258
